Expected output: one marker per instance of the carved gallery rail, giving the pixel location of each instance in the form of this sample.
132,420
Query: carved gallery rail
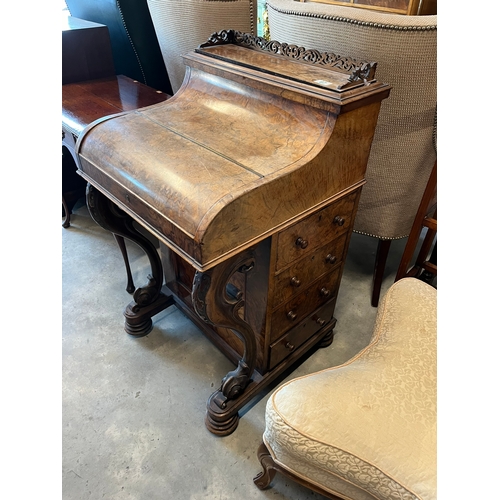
250,177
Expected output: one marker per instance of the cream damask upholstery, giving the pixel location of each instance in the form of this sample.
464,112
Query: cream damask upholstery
182,25
367,429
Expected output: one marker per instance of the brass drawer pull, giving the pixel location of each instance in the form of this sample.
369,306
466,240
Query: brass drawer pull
331,258
324,292
300,242
338,220
291,316
294,281
290,346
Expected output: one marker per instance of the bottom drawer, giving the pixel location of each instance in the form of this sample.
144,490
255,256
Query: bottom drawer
295,337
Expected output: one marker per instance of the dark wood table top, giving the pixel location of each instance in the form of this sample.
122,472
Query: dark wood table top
84,102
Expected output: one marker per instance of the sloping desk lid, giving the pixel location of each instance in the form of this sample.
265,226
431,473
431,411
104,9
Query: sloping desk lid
232,156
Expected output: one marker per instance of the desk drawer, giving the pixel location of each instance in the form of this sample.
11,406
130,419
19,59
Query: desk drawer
293,311
314,231
302,273
302,332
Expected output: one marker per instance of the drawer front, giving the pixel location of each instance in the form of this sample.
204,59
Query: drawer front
292,312
300,275
314,231
302,332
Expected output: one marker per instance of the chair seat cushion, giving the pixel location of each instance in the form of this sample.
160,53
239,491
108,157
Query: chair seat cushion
367,429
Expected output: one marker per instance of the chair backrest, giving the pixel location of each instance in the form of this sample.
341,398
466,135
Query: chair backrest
403,149
182,25
136,52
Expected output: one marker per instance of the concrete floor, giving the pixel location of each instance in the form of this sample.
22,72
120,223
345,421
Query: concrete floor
133,409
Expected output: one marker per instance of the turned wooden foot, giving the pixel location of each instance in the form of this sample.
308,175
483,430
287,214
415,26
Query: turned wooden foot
223,427
327,339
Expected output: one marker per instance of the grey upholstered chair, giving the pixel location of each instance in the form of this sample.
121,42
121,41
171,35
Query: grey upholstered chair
182,25
403,150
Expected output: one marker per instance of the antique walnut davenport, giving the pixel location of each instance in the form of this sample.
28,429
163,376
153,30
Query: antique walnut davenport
250,177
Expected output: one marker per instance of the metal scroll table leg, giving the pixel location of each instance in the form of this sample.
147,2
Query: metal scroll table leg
148,300
215,306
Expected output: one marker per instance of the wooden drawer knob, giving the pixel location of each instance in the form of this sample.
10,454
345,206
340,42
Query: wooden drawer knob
290,346
338,220
294,281
331,258
301,243
291,316
324,292
321,322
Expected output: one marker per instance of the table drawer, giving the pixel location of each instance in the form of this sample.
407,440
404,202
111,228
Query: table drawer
293,311
302,332
300,275
314,231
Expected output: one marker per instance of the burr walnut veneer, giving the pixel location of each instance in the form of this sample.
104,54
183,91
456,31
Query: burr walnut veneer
249,176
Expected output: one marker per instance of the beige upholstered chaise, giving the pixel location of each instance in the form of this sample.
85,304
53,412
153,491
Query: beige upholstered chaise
365,430
182,25
403,149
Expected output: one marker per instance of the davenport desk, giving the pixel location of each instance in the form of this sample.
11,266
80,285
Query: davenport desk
249,176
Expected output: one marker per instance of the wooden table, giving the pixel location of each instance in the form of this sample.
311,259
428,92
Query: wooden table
86,101
250,177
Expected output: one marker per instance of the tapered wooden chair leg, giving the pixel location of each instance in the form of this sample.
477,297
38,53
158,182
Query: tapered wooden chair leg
378,272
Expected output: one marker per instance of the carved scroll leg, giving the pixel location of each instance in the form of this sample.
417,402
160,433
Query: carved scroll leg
215,306
123,249
263,479
148,300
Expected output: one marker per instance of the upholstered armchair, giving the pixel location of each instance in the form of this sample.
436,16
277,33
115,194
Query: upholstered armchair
403,150
135,48
182,25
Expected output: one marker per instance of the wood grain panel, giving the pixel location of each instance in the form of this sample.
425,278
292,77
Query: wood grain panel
316,230
307,270
302,304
